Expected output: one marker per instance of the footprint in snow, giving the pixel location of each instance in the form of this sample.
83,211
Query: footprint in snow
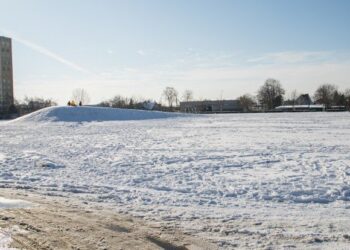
45,163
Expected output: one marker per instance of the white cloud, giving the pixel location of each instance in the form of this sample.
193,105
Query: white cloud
293,57
141,52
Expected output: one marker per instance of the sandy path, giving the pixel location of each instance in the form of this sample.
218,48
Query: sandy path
61,223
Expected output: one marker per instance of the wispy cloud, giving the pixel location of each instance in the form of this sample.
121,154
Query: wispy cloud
290,57
141,52
45,51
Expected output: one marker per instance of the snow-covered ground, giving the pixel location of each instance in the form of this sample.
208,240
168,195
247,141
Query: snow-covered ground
246,180
6,233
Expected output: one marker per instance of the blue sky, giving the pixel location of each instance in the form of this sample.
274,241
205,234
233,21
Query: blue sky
139,47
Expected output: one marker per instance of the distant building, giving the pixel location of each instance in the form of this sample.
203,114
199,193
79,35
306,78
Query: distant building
6,75
219,106
336,108
299,108
303,100
149,105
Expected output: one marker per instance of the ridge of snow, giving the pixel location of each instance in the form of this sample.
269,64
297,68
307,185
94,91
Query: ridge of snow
91,114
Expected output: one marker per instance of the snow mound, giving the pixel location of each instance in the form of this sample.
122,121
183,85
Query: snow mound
91,114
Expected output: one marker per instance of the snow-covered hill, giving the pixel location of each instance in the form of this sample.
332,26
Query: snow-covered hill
90,114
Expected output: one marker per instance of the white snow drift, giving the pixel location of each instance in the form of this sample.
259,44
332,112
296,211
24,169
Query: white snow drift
90,114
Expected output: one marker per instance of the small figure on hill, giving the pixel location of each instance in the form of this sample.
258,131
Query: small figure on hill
80,103
69,104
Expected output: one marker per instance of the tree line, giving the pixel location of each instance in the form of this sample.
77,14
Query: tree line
269,96
169,94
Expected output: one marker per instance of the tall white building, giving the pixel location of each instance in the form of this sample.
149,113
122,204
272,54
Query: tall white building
6,74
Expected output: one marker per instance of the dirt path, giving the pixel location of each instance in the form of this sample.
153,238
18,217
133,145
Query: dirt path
61,223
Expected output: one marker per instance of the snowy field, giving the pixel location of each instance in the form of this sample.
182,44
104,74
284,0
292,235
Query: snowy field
241,180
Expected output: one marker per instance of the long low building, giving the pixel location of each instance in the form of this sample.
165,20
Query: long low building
207,106
300,108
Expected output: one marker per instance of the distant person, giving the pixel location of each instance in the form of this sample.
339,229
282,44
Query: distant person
80,103
69,104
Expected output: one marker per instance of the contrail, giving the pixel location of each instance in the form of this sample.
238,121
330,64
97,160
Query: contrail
44,51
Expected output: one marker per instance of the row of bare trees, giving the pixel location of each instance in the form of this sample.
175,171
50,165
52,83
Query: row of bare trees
30,104
271,94
171,96
119,101
330,95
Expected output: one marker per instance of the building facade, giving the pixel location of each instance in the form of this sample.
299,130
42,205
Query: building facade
207,106
304,99
6,75
300,108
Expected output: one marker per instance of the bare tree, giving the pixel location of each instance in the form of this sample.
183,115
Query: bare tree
294,97
30,104
325,94
347,98
119,101
37,101
171,95
187,95
270,95
339,98
80,95
247,102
